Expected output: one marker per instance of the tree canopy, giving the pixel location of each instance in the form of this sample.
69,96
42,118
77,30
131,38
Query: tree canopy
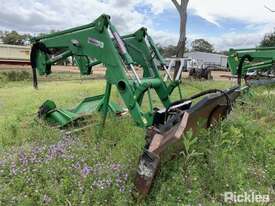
269,40
202,45
168,51
14,38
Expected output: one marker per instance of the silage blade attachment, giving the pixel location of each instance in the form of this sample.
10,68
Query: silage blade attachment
168,132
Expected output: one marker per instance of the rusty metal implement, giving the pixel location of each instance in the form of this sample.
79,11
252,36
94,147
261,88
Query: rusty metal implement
170,127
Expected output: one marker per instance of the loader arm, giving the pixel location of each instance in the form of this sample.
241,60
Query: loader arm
125,58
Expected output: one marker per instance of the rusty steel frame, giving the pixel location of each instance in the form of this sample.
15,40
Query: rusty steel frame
207,111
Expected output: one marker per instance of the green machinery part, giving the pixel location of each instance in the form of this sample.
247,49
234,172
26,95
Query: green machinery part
100,43
75,117
242,61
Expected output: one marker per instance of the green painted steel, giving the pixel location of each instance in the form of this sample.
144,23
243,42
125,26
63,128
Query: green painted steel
256,59
100,42
64,117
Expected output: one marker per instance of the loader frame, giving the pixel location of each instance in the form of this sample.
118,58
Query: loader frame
93,41
100,43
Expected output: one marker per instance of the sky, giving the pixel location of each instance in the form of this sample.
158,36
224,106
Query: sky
224,23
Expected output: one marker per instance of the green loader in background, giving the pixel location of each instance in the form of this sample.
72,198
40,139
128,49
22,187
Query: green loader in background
254,65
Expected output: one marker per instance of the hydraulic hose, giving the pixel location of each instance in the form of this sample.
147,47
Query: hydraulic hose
33,56
240,67
36,47
203,93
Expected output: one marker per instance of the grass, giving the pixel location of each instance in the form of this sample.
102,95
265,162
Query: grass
41,166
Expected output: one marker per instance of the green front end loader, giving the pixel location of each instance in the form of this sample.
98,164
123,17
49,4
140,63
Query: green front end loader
100,43
253,64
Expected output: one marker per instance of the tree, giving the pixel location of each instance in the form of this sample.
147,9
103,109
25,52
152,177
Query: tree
182,10
13,38
269,40
168,51
202,45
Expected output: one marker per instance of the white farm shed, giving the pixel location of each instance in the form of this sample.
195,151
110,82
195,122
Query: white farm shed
14,53
209,59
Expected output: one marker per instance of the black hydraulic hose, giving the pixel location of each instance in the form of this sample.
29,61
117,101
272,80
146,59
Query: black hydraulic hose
33,57
203,93
36,47
34,78
240,67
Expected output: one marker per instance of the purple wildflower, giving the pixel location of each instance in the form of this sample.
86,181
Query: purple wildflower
86,170
23,159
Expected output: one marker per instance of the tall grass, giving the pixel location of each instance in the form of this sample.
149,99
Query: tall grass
41,166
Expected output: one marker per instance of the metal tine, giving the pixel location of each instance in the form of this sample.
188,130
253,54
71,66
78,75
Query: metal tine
180,70
168,70
167,73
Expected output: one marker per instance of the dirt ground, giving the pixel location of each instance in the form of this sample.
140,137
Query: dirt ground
99,71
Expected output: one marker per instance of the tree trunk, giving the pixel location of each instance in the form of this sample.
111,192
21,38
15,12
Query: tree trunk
182,9
181,42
